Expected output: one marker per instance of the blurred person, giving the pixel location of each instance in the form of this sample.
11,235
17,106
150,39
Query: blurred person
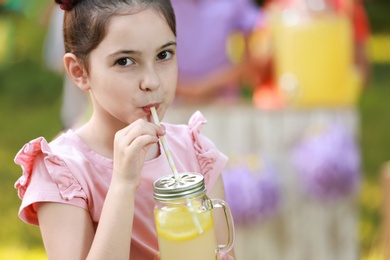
207,75
75,102
90,190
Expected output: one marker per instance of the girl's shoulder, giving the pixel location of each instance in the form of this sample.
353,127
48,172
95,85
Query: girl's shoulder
188,134
50,172
40,149
67,151
188,142
66,161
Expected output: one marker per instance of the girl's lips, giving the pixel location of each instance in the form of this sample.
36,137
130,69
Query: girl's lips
147,108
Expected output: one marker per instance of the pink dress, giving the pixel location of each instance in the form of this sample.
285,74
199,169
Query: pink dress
67,171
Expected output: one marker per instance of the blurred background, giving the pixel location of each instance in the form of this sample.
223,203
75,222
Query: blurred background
31,99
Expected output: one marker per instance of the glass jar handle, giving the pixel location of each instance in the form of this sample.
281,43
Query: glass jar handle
218,203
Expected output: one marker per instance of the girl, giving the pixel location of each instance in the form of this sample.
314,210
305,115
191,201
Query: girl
90,190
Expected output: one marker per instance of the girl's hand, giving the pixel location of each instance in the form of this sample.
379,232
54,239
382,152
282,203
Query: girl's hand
131,145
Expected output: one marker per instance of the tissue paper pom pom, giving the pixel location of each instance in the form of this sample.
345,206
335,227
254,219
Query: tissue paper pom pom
252,196
328,163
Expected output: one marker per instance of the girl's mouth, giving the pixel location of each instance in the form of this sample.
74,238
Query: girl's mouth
147,108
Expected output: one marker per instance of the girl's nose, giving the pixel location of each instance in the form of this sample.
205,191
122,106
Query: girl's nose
150,80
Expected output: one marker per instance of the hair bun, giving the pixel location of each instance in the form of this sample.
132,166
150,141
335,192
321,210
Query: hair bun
66,5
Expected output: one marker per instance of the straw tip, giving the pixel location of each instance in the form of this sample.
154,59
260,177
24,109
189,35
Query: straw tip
154,115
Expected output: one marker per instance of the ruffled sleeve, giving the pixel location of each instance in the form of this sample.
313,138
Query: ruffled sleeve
211,160
45,178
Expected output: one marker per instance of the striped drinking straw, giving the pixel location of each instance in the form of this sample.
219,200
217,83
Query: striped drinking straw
165,146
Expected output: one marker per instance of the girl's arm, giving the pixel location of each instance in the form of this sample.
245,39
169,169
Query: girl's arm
68,231
218,191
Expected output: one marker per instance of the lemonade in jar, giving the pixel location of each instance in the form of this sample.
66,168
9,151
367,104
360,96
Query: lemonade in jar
184,219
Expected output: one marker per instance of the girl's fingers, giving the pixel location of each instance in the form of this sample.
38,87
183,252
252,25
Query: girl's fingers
141,142
141,127
132,143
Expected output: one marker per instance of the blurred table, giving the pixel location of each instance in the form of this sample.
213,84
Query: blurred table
303,228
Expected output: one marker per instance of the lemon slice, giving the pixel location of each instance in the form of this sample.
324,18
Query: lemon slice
177,224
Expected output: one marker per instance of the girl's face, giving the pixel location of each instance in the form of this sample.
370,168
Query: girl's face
134,68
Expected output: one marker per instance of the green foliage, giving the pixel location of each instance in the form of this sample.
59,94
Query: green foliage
375,145
22,119
374,109
29,83
378,13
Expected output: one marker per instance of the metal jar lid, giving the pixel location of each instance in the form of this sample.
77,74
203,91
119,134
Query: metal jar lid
188,184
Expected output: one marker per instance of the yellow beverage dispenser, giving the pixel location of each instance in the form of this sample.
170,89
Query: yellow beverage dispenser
313,48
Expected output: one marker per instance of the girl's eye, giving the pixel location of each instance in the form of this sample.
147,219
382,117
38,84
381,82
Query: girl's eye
164,55
124,62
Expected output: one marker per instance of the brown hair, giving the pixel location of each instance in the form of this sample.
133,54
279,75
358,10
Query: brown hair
86,21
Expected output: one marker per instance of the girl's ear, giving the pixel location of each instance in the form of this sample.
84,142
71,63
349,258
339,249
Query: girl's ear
76,71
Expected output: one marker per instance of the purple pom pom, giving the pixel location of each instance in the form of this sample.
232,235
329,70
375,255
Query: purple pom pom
252,196
328,163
